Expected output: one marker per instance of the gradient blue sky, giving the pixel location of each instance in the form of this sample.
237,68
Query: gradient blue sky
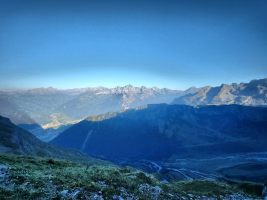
175,44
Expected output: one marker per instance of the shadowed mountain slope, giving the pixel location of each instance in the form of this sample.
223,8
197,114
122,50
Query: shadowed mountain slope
161,131
18,141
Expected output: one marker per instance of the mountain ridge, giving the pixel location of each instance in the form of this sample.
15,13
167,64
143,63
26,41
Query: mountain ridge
42,103
188,127
16,140
253,93
53,108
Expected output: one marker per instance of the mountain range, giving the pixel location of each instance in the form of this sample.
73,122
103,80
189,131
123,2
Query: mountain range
161,131
46,112
178,141
12,111
253,93
31,169
46,105
210,133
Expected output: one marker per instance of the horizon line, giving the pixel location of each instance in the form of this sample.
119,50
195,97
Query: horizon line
118,86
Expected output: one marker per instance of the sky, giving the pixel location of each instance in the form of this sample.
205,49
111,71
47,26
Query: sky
173,44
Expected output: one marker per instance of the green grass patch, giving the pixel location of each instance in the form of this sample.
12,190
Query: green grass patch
201,188
37,177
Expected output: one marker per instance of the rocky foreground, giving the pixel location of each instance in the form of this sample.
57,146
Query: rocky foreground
24,177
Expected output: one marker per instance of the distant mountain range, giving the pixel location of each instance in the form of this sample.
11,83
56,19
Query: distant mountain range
253,93
161,131
46,112
145,128
12,111
48,105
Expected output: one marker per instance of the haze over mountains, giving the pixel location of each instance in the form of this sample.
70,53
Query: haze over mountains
253,93
46,105
46,112
12,111
145,128
52,107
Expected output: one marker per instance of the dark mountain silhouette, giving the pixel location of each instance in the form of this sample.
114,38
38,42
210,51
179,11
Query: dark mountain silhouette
18,141
161,131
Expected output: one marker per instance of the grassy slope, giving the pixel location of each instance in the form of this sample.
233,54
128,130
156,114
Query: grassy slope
35,177
19,141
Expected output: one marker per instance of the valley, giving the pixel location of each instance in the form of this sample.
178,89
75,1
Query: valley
251,167
134,143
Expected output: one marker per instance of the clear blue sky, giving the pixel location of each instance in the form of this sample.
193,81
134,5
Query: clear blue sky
175,44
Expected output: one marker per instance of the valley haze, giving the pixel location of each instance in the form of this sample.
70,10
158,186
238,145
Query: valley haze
215,134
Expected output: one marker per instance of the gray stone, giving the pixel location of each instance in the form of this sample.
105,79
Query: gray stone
95,196
102,184
4,170
149,190
64,193
74,194
116,197
190,195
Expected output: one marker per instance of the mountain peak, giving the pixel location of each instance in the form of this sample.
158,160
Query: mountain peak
252,93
